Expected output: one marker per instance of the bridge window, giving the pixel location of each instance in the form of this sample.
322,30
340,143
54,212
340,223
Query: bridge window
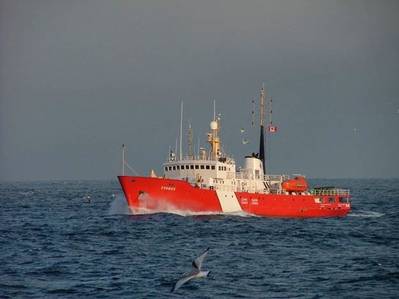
196,166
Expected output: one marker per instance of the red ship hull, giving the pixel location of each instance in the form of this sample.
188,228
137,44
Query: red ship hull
169,195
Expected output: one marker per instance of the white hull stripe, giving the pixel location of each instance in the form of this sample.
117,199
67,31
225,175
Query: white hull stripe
228,201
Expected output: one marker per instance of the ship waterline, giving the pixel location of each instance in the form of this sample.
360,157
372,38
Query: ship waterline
168,195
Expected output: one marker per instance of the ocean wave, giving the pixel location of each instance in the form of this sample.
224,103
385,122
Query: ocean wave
366,214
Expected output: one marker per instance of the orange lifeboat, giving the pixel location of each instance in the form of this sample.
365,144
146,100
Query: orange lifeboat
297,184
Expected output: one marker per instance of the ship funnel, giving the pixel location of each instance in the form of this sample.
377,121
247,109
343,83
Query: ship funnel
262,148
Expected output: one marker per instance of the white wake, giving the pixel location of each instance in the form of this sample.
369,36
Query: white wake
119,206
366,214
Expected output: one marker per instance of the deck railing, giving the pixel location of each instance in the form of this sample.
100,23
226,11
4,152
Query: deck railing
332,191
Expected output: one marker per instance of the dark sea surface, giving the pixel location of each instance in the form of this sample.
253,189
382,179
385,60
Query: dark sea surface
54,243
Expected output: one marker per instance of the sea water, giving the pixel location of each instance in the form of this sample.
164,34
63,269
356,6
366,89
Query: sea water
78,239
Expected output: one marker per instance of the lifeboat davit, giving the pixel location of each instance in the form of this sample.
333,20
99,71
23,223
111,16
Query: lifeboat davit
297,184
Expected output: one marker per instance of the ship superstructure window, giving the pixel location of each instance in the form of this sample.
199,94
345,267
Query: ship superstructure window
213,167
174,167
202,167
196,166
191,166
207,166
178,167
331,199
166,168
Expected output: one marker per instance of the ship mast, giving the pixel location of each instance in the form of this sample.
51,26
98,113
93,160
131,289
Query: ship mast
181,132
213,136
190,142
262,127
123,159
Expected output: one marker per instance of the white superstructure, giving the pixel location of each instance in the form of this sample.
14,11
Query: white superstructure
215,170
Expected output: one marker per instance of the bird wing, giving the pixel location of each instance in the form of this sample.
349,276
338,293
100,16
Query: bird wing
197,263
185,278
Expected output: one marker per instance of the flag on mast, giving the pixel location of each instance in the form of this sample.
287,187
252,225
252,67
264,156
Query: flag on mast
271,128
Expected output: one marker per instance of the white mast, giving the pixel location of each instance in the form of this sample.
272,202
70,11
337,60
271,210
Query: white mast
123,159
198,152
190,142
214,110
176,148
181,132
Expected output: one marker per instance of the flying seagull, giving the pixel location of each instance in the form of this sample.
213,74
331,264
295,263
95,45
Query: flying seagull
195,272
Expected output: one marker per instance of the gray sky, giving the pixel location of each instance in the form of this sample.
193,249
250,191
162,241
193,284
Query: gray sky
79,78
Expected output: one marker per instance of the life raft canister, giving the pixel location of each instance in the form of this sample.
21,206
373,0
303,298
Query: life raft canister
297,184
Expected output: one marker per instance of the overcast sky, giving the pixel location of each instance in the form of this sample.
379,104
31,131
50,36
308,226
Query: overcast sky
79,78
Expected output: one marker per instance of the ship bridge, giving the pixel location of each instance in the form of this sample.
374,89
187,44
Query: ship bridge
200,170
